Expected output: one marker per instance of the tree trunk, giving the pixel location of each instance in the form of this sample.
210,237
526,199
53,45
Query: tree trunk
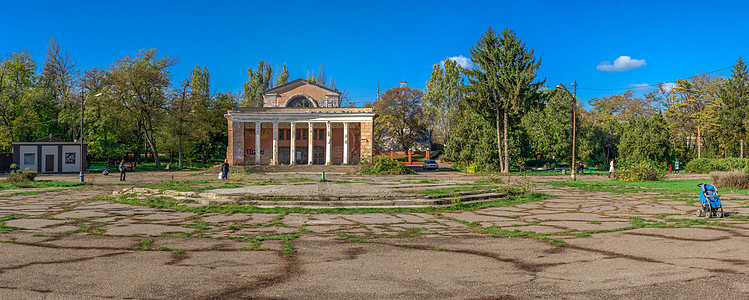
507,144
499,139
202,153
154,152
699,141
179,143
742,146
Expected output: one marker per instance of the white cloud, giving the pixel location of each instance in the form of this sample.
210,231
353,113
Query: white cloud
463,61
668,87
623,63
640,86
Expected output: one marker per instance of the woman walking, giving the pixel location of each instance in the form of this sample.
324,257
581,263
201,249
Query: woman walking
611,168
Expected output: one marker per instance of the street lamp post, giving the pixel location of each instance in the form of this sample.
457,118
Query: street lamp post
574,126
83,155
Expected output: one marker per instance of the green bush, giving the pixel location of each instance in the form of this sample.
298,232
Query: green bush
643,171
707,165
21,177
734,179
383,165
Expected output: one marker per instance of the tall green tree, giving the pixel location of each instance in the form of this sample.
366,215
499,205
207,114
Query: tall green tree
442,98
140,84
735,96
283,76
201,104
260,80
502,81
549,128
17,83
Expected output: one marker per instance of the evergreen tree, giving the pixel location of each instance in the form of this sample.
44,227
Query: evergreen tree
283,76
735,96
502,82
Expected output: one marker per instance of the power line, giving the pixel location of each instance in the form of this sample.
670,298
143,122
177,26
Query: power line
650,85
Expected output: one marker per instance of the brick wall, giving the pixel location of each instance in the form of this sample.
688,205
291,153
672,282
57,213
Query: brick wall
367,139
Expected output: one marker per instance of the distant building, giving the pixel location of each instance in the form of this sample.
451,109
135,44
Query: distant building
300,123
49,155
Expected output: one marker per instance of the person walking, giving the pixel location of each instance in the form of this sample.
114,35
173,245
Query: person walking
611,168
122,170
225,170
676,166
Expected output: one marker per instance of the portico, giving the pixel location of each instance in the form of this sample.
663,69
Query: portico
299,135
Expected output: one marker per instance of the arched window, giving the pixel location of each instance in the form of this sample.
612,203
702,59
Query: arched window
299,101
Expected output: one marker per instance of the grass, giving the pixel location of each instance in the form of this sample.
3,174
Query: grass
40,184
29,193
288,249
688,186
452,190
191,185
169,203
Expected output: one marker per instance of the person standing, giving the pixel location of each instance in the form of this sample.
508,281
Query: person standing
676,166
122,170
611,168
225,169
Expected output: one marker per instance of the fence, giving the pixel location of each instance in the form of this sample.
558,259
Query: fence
409,155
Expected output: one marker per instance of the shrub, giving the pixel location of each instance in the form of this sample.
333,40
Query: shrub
734,179
644,171
21,177
707,165
383,165
544,162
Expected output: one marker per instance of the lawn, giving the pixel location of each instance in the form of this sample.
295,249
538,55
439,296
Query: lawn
39,184
688,186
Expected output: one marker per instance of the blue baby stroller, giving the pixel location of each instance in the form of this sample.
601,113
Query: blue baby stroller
710,202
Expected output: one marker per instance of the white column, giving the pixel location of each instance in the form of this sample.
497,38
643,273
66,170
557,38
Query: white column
345,143
257,143
328,143
310,135
275,144
293,144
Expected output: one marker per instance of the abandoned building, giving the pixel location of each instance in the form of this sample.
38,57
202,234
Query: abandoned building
300,123
49,155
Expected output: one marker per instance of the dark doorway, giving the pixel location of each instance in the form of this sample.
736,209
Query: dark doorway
318,155
283,156
301,156
49,166
6,159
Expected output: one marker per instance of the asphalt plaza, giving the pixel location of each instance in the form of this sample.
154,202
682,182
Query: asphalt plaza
574,244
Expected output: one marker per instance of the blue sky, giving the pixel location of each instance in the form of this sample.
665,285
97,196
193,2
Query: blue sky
362,43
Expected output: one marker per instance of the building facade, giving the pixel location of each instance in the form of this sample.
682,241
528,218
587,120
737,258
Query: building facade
300,123
49,155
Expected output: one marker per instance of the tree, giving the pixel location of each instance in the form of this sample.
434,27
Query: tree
443,97
735,96
549,128
399,116
622,107
646,139
260,80
201,105
502,80
283,76
474,140
696,107
180,110
140,84
17,82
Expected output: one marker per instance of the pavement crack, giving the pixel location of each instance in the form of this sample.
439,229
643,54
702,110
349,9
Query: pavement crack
62,261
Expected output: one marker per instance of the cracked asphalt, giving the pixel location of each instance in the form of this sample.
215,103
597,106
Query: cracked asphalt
574,245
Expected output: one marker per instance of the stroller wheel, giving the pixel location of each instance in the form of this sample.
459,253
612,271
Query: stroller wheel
719,213
700,213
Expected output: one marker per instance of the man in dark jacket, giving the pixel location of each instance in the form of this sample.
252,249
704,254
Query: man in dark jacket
122,170
225,170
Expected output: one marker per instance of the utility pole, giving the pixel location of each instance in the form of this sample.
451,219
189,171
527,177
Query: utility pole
574,127
83,157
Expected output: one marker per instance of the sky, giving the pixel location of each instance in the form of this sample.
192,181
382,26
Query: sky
607,46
